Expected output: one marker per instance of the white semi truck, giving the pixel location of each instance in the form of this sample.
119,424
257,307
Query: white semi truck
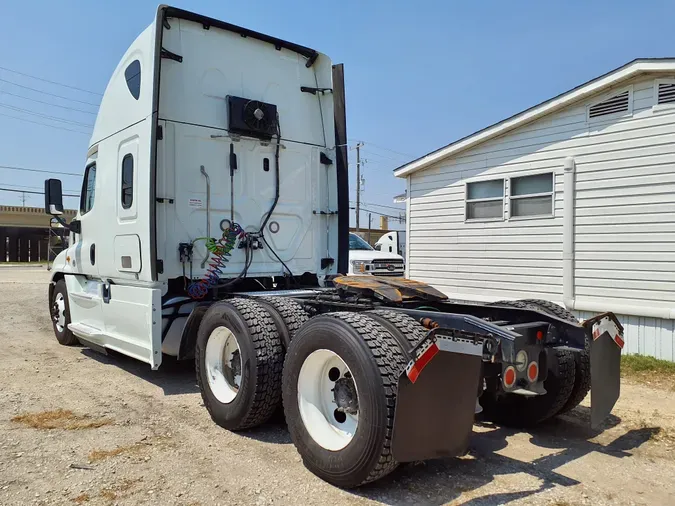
213,226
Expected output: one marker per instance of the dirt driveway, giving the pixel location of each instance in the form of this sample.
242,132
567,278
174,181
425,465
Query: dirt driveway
122,434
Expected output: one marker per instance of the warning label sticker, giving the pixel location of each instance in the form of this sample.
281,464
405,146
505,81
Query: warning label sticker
196,203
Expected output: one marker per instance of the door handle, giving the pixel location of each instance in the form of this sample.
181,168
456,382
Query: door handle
92,254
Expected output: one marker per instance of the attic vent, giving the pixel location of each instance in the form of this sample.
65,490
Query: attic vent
666,93
618,103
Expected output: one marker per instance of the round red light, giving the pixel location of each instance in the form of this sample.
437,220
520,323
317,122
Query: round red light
540,335
532,372
509,377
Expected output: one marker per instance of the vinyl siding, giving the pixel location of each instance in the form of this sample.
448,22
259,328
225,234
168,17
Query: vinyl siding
624,213
654,337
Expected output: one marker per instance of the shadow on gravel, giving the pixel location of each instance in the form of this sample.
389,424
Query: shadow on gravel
440,481
173,377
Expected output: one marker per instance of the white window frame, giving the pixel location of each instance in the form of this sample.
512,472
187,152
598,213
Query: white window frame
467,201
531,195
662,107
613,116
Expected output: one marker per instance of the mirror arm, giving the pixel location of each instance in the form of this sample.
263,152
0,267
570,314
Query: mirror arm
61,221
73,226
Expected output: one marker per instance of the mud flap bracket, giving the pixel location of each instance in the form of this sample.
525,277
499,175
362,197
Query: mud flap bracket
437,397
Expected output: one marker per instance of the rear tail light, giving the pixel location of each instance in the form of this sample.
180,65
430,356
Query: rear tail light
509,376
533,372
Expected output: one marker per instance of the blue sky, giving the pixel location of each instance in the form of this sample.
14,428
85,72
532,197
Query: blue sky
418,74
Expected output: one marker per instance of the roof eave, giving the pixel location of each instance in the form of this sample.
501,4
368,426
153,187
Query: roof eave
622,73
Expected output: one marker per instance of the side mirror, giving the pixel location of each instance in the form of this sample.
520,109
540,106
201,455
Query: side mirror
53,197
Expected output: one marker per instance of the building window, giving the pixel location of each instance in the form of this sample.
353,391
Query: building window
127,181
88,189
485,200
532,195
133,76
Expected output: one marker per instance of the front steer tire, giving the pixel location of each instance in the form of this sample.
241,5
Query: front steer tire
261,355
63,334
375,360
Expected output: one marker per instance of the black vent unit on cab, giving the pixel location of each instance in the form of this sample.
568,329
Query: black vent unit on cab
251,117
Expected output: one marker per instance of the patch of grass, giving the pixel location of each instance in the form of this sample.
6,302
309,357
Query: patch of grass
113,492
650,370
98,455
60,419
639,363
81,499
107,493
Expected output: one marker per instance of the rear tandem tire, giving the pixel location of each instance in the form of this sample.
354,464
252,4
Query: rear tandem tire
59,310
521,411
287,314
371,356
582,361
238,403
407,331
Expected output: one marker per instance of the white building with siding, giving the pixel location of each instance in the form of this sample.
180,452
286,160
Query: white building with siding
572,200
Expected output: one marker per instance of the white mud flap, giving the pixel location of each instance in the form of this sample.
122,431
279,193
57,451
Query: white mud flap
133,322
436,398
606,349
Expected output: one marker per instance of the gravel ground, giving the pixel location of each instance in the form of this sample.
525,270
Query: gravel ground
104,430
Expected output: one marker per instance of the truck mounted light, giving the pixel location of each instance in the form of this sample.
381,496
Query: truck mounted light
360,266
521,360
509,376
533,372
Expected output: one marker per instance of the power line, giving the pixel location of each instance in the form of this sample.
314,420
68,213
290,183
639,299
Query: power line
51,82
25,169
46,116
33,192
386,149
371,153
47,103
47,93
32,187
380,214
45,124
382,205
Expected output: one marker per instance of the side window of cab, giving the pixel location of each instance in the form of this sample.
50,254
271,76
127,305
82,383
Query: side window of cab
88,189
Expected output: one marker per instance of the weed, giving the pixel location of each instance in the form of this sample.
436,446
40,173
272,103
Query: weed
81,499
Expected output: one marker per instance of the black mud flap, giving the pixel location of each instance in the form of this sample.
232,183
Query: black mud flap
436,399
605,365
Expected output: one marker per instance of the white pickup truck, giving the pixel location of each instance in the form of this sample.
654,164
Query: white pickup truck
364,259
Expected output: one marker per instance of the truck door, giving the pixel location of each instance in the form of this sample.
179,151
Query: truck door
84,289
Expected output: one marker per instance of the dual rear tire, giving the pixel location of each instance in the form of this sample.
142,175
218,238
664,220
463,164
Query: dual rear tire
567,383
339,380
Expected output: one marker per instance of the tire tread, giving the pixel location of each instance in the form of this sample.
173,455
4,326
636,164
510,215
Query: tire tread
391,362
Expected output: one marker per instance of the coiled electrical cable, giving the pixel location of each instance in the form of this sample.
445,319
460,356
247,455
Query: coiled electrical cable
220,252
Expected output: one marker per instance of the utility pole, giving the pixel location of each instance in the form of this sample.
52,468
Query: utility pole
23,199
358,183
370,218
